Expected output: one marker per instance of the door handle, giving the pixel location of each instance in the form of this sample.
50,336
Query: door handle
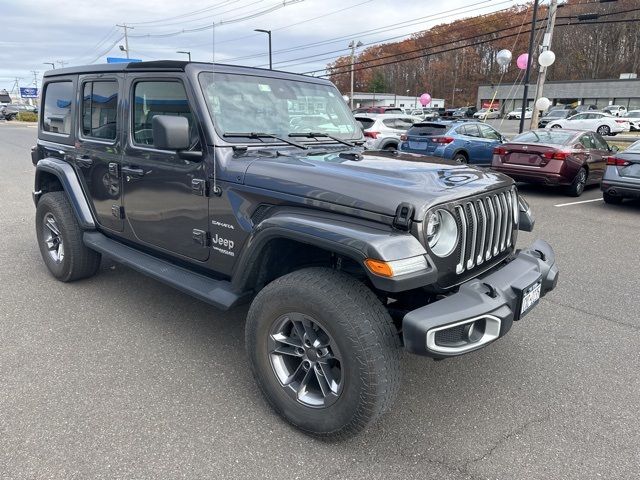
84,161
132,172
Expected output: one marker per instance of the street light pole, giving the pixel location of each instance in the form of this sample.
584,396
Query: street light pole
528,71
268,32
53,65
126,37
185,52
353,45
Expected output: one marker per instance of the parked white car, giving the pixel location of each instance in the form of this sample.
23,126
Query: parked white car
615,110
487,113
633,117
518,113
382,131
600,122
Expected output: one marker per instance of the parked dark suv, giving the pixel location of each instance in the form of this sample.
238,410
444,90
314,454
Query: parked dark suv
344,255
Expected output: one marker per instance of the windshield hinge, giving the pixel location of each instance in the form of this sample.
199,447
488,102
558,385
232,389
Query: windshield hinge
404,216
201,237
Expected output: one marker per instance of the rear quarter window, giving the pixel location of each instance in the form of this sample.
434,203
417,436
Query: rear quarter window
366,122
58,102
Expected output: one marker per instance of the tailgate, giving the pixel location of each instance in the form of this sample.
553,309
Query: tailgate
422,143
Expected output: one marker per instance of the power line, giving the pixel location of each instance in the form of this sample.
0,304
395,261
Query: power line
186,15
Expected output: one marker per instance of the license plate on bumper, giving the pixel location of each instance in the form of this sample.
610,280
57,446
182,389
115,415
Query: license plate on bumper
530,297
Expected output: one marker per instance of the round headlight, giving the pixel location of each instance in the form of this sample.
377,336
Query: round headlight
441,232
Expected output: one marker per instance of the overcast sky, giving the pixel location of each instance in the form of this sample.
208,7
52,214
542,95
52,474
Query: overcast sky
83,31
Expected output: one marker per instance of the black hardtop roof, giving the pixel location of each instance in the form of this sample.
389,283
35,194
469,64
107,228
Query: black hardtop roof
178,66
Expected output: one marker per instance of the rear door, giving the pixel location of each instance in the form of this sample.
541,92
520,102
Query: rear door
578,122
473,142
491,138
594,158
165,206
99,146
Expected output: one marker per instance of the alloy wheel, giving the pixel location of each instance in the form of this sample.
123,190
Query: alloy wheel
53,238
581,181
305,360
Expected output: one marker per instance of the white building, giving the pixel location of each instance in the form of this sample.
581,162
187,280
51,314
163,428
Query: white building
362,99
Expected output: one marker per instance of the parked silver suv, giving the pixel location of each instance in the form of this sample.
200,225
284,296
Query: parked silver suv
382,132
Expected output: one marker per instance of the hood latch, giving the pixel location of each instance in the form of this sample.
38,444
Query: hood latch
404,216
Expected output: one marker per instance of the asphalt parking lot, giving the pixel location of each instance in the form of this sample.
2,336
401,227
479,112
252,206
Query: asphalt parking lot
120,376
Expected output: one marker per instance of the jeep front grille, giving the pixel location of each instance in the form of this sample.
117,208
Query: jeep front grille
486,227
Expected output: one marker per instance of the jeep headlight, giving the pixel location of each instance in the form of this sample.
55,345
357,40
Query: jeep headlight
441,232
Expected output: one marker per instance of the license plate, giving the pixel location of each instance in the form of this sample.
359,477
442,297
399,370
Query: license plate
530,297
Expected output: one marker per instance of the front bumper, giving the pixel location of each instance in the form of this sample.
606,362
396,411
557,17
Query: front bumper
492,301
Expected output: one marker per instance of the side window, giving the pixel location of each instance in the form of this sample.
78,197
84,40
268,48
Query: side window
99,110
488,132
470,130
580,116
586,141
389,122
151,98
56,117
599,142
404,123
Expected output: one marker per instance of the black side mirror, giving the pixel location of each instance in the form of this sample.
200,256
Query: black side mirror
170,132
614,148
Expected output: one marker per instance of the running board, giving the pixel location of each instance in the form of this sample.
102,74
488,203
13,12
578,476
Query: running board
215,292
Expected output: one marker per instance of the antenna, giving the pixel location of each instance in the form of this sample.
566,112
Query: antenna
215,189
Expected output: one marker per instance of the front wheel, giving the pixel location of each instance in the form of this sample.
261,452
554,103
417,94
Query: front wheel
556,126
324,351
604,130
577,186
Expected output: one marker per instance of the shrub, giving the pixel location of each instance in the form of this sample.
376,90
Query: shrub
27,117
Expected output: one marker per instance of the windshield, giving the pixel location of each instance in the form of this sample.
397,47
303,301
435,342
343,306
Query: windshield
247,103
633,114
557,113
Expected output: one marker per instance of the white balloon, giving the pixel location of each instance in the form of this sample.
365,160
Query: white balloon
503,57
546,58
345,98
543,103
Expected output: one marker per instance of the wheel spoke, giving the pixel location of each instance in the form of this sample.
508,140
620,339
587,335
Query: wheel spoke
288,350
298,328
282,338
51,225
329,378
324,387
302,388
310,333
294,375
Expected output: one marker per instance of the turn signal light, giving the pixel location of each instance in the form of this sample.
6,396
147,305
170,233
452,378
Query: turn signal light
618,162
396,268
379,267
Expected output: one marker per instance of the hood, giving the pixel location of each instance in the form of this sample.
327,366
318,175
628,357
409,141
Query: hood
377,182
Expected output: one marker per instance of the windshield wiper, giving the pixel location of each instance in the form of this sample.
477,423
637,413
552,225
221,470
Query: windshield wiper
320,135
259,135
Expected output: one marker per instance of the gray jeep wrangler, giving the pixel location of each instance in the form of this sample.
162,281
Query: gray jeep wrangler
238,185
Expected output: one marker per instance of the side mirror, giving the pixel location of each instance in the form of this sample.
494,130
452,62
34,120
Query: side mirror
170,132
614,148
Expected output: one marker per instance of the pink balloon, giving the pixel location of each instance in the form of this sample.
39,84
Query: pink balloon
522,61
425,99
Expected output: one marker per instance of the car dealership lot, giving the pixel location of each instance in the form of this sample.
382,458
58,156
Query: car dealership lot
120,376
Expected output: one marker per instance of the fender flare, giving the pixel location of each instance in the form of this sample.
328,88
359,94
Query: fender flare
66,174
351,238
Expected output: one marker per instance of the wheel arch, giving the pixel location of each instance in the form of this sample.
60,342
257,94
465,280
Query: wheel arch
293,239
52,175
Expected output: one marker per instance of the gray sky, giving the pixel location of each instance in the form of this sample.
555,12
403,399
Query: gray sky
82,32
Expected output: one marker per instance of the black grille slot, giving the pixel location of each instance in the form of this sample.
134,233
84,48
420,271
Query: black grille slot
451,336
260,213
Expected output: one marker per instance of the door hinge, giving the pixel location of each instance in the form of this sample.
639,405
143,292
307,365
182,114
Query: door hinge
114,170
199,187
201,237
404,215
117,211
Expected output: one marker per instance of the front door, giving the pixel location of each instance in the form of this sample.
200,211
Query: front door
491,138
164,198
99,147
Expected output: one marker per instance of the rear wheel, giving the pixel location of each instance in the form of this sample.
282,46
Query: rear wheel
324,351
60,240
391,148
604,130
461,158
577,186
611,199
556,126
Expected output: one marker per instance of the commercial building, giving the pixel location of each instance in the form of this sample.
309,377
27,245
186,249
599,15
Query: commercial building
624,91
362,99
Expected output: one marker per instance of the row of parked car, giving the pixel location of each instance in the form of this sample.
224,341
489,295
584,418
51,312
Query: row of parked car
571,154
10,111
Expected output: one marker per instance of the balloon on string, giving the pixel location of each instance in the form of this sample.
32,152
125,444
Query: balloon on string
345,98
504,57
543,103
546,58
522,61
425,99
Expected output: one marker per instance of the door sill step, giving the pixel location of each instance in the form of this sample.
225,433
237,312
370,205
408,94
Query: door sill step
215,292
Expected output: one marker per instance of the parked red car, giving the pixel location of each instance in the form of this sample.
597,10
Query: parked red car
555,157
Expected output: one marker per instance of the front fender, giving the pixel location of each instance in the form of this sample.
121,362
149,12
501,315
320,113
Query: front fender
353,238
67,177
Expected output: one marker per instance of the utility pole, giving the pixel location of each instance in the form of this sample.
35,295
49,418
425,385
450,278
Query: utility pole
542,76
353,45
126,37
62,63
35,78
528,71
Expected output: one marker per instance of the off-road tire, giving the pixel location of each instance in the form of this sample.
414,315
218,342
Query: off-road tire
579,182
78,260
612,200
366,337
